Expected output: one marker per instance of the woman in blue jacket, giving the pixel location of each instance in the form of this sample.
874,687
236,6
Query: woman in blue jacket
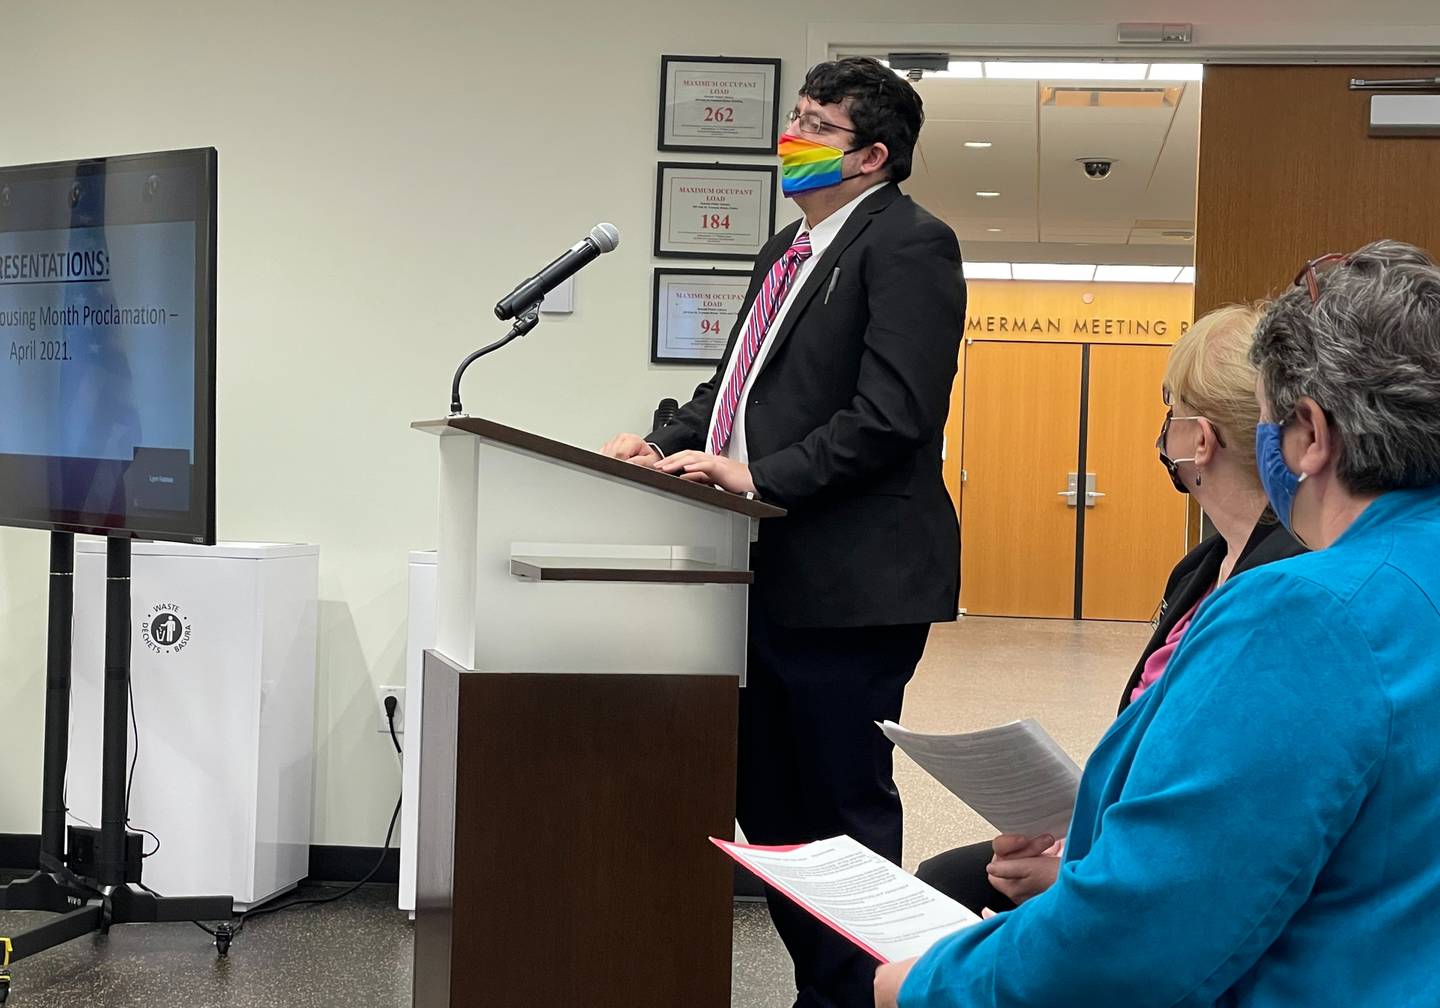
1258,828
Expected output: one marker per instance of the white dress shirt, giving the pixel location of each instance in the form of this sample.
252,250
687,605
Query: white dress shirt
821,235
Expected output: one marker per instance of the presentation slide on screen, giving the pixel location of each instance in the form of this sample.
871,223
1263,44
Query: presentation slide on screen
97,341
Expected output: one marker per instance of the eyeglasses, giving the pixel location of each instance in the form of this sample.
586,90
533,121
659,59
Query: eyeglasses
809,122
1309,273
1168,398
1172,465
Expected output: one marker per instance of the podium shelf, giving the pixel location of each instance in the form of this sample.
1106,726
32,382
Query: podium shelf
647,569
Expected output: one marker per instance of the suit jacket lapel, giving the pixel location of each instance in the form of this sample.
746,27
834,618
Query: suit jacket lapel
858,221
1190,590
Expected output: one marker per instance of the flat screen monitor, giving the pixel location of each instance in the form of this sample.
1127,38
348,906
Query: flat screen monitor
107,346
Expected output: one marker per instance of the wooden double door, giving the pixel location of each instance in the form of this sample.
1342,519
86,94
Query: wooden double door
1067,512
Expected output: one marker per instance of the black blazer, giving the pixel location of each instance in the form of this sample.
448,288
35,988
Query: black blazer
845,421
1195,574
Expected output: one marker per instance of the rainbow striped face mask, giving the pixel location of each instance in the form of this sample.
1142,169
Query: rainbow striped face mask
806,165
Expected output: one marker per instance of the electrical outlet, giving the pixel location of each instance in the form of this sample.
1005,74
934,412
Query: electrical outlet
383,725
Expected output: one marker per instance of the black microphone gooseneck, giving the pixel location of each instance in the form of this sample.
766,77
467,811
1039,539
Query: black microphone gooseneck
528,320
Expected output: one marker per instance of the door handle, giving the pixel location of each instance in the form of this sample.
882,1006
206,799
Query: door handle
1091,494
1072,494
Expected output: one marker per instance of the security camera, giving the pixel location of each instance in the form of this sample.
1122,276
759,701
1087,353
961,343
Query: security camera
1096,167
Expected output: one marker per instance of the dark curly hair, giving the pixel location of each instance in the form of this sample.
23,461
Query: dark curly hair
884,108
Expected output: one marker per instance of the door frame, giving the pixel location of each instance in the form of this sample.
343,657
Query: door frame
1223,43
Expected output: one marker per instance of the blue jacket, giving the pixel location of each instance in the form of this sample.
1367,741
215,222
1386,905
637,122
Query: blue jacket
1262,827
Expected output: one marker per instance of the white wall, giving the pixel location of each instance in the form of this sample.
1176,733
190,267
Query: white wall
387,171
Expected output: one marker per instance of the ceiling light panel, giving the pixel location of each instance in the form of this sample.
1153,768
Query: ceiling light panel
1177,71
987,271
1081,272
1007,70
962,68
1136,274
957,70
1053,271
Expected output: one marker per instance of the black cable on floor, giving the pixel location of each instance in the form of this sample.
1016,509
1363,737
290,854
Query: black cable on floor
316,901
248,915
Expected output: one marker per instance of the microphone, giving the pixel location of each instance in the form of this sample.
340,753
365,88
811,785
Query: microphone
602,238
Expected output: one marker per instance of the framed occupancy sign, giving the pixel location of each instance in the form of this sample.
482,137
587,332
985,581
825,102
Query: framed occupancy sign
719,104
719,211
694,313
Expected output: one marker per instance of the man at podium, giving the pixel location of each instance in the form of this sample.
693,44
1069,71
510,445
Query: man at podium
831,401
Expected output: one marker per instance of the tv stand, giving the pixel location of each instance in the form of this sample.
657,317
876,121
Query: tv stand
111,894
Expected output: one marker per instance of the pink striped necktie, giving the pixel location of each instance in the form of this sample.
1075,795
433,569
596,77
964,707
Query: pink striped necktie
757,327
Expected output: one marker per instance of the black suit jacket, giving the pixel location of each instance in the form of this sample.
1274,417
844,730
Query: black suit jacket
845,421
1195,574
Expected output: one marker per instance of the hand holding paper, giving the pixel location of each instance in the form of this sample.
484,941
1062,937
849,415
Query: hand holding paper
889,978
882,909
1014,775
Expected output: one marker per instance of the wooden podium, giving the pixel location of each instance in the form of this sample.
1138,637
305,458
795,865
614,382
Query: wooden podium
579,729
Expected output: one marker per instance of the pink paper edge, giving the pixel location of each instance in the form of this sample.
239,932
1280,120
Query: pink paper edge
730,847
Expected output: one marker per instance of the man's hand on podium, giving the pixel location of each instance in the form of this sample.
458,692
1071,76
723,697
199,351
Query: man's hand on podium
701,467
631,448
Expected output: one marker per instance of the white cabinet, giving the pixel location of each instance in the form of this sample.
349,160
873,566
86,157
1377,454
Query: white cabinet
223,678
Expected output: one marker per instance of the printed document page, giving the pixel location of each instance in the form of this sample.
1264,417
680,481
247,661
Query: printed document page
876,905
1014,775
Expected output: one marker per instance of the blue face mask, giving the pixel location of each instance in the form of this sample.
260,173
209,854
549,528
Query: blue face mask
1280,483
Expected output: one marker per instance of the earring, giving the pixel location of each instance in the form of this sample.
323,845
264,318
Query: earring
1199,476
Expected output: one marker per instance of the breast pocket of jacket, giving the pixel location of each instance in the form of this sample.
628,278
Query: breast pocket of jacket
842,290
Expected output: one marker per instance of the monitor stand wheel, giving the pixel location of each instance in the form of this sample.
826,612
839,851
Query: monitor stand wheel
224,933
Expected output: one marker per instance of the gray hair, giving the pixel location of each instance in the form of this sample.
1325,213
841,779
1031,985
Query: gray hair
1368,352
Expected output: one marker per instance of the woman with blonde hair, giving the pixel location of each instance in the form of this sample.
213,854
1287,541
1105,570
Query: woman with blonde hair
1207,446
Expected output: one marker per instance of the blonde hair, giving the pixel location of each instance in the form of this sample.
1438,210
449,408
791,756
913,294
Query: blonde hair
1210,372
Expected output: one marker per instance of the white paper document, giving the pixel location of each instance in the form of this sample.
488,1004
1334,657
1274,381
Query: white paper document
879,907
1015,775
